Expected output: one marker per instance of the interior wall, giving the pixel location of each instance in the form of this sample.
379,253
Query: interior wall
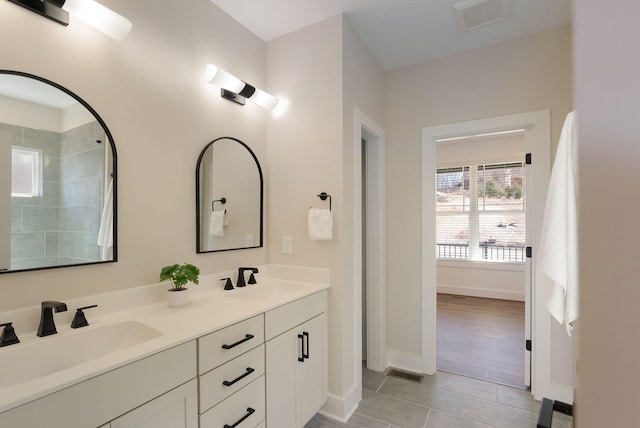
151,93
607,97
526,74
305,158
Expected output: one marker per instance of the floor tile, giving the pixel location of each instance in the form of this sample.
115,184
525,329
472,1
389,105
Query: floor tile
439,419
396,412
518,398
371,380
463,384
356,421
462,405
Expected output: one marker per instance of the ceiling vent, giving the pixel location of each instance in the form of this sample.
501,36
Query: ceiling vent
472,14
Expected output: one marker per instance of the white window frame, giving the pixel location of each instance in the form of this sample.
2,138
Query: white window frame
473,213
36,169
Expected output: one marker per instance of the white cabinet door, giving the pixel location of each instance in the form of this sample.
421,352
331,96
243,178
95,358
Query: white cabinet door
296,374
312,375
177,408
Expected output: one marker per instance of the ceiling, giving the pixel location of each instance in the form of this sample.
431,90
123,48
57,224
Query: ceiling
398,32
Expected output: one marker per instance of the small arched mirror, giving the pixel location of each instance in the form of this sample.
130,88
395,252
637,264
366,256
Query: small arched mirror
57,177
229,197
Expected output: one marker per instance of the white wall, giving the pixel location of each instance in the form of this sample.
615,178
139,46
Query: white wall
499,281
324,71
151,93
607,102
526,74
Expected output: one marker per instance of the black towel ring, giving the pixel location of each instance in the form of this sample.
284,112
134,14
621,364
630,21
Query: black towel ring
324,196
222,200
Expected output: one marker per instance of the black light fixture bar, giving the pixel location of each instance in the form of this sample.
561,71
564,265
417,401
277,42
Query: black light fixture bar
240,97
51,9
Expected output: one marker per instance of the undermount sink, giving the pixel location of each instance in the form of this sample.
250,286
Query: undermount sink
262,292
45,356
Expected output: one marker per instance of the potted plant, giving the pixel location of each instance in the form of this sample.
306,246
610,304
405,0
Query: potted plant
180,276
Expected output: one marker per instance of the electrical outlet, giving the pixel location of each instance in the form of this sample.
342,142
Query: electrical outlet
287,245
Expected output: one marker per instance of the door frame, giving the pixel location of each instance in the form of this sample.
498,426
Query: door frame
538,143
376,276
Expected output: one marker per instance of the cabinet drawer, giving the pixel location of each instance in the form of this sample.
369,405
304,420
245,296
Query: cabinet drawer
239,372
285,317
246,405
223,345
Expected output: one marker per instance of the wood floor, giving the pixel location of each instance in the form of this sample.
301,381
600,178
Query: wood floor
481,338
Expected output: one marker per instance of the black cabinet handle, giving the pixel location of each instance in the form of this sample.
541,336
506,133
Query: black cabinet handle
239,342
250,412
242,376
301,337
305,355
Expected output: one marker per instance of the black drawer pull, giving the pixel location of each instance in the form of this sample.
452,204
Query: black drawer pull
239,342
250,412
301,337
306,335
242,376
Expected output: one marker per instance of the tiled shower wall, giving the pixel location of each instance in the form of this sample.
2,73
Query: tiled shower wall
61,227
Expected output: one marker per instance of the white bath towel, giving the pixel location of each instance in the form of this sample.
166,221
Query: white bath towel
320,224
216,223
105,234
559,241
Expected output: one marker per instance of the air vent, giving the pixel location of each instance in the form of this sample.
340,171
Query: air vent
406,375
472,14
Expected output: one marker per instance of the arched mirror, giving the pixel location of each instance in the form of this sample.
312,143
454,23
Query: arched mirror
57,178
228,197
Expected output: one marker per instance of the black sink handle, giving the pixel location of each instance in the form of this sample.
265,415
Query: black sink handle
79,320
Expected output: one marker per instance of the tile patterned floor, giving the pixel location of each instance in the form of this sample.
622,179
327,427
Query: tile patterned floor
444,400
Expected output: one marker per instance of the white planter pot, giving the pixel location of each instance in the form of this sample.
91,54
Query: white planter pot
177,298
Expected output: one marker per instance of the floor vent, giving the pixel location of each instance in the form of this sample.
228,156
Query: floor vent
413,377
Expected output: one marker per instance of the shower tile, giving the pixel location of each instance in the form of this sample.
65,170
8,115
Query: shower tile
51,244
27,245
40,219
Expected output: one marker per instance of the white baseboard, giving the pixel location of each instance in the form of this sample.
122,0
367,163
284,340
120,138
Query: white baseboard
481,292
341,408
405,361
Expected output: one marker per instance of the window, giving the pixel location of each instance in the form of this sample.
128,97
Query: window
480,212
26,172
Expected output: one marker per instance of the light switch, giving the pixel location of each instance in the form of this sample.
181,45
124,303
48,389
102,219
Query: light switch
248,240
287,245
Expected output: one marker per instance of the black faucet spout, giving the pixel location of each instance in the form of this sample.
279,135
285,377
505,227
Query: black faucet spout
47,324
241,281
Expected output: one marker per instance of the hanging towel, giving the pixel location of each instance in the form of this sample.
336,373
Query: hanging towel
559,241
105,235
320,224
216,223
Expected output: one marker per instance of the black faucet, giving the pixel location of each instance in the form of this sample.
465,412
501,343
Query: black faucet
47,326
8,336
252,279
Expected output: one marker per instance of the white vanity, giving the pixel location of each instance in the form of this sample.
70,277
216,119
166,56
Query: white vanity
251,357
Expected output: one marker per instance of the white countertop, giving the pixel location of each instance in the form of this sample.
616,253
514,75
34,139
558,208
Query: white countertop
210,308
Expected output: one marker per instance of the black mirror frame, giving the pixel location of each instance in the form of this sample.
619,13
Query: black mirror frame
114,175
199,249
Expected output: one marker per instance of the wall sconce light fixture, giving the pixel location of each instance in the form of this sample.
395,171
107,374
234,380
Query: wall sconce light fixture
98,16
238,91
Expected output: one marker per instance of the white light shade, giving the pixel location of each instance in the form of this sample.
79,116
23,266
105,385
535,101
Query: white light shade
100,17
264,100
219,77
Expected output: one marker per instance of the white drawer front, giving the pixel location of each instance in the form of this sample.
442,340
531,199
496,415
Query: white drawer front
237,373
285,317
221,346
248,403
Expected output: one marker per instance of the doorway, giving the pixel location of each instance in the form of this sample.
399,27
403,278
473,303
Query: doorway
481,235
537,142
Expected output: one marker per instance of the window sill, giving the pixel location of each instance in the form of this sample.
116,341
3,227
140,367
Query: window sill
471,264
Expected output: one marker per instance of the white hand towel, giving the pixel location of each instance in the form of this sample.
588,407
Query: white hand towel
320,224
105,234
559,241
216,223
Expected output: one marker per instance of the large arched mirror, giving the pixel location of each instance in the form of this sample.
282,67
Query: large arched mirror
57,178
228,197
